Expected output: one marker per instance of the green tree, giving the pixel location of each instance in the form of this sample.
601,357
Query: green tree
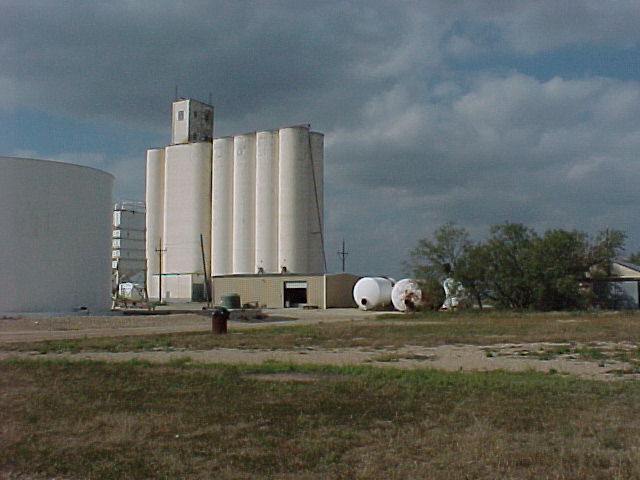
508,272
517,268
472,270
430,256
560,261
635,258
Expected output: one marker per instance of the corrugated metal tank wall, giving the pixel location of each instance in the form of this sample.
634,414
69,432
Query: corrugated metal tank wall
244,203
154,198
222,207
293,186
187,206
267,202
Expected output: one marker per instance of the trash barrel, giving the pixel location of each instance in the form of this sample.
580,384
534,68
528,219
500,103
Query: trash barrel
230,300
219,317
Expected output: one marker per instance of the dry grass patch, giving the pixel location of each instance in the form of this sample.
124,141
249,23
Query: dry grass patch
135,420
430,329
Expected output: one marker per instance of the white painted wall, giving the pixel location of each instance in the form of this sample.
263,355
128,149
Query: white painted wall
180,121
55,236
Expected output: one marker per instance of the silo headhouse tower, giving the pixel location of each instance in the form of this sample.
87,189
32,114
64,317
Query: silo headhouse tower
245,210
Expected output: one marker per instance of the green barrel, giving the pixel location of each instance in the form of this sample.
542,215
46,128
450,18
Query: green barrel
230,300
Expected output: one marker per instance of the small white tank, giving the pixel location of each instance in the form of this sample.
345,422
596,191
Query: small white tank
372,292
406,295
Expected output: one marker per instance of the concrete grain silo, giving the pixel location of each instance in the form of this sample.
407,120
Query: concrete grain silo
294,199
315,214
154,200
258,196
244,203
222,207
55,236
187,216
266,202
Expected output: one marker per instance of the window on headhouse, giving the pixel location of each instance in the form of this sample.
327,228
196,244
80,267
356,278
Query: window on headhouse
195,114
181,115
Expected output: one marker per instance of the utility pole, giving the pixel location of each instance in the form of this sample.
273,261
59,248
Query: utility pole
343,254
160,251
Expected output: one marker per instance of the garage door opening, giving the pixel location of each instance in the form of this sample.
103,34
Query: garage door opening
295,294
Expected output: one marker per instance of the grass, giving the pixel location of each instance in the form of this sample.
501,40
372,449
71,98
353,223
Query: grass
136,420
428,329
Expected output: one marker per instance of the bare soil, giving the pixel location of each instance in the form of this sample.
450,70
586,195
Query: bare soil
509,357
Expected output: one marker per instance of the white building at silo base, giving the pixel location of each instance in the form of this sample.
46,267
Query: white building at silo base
55,231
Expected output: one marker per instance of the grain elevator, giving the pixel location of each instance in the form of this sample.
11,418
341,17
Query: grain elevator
244,205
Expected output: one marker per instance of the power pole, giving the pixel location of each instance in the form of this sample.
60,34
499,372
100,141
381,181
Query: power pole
160,251
343,253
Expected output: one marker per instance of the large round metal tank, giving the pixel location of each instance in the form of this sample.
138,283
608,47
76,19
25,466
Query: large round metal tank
186,215
55,233
154,212
222,207
267,202
371,293
294,192
244,203
406,295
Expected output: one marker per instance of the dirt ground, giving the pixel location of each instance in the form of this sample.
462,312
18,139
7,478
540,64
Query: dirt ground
509,357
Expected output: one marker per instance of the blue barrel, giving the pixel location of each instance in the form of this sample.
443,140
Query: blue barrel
230,300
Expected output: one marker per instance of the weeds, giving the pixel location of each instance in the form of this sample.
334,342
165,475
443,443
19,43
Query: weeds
430,329
137,420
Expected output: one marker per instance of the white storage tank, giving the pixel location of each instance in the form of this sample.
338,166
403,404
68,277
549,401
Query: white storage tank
154,201
187,207
372,293
244,203
294,192
55,236
406,295
267,202
222,207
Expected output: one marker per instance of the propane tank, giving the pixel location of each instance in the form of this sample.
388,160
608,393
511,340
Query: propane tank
373,292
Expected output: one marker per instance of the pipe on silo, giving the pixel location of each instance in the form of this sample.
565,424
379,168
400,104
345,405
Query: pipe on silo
293,208
222,207
266,230
154,199
244,198
317,263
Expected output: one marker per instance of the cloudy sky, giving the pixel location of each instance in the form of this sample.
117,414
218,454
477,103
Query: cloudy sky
478,112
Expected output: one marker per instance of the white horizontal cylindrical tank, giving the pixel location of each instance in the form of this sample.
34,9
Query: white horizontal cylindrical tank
294,192
244,203
154,199
222,207
267,202
187,207
370,293
55,233
406,295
